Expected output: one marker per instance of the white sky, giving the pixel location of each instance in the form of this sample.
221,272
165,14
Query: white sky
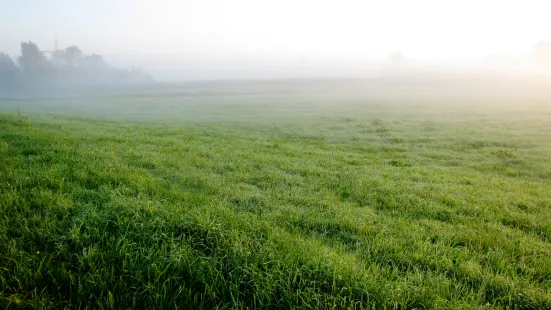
351,28
298,29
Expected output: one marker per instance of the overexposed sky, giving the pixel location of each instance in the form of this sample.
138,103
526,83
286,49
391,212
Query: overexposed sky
318,30
425,29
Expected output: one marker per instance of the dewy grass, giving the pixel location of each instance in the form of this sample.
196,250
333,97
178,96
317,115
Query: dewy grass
354,211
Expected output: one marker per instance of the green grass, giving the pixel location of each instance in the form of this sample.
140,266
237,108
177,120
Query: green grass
379,205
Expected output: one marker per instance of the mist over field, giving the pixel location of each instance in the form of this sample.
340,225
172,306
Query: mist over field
216,40
210,154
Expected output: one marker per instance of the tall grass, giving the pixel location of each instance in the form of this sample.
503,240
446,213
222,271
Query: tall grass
344,212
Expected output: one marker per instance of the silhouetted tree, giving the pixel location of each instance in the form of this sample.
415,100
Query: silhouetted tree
69,55
397,66
397,59
9,72
542,53
7,66
93,62
33,62
137,75
68,68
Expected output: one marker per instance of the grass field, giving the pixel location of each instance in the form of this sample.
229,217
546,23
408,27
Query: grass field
275,200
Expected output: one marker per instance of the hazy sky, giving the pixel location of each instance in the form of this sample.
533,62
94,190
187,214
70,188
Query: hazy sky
288,29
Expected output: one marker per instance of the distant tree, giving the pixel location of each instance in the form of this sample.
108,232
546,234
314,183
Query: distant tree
397,59
70,55
32,60
65,65
9,72
542,53
7,66
93,62
397,66
137,75
65,68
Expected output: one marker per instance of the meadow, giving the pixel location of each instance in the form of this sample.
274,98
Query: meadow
307,195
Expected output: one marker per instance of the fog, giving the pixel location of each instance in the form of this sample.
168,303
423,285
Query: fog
244,39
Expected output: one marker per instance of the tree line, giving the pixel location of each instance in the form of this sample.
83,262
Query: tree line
68,67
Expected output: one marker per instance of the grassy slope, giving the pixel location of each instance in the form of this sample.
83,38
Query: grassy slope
346,211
